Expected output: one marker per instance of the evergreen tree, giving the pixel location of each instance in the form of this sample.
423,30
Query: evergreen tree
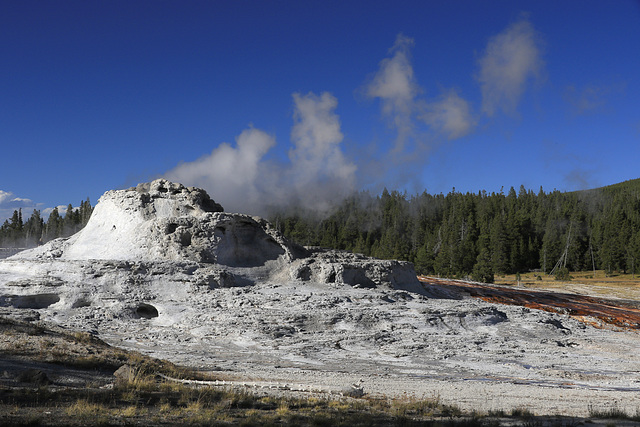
499,246
482,270
33,229
15,232
54,225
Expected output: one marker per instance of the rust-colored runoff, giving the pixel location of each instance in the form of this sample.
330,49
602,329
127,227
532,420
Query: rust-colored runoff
598,312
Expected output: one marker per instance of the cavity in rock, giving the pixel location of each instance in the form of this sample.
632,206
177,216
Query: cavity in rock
146,311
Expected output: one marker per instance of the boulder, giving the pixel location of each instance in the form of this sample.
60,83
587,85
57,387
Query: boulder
125,374
346,268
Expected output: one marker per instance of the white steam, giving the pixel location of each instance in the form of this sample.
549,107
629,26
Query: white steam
400,96
591,98
510,60
450,115
394,84
319,170
241,180
233,175
318,175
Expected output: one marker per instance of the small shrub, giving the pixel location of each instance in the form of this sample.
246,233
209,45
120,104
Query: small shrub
522,413
339,405
87,362
194,406
451,411
613,412
419,407
83,337
563,275
283,408
131,411
86,411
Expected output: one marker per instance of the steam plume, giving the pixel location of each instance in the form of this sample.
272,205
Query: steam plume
402,102
450,115
395,85
230,173
241,180
511,58
318,174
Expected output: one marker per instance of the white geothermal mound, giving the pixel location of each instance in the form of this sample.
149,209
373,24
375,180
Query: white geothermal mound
161,222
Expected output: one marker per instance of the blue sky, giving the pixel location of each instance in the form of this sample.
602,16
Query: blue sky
275,102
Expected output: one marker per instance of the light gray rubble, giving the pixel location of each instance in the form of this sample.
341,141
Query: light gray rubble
160,268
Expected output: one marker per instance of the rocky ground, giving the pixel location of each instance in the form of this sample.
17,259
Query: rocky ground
471,355
441,342
474,354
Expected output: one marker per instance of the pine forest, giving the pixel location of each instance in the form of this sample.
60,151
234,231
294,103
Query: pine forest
16,233
479,235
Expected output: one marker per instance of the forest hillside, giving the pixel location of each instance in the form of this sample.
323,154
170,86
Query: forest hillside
478,235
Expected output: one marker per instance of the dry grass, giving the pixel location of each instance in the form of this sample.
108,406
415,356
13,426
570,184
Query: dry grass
619,285
87,412
155,404
146,400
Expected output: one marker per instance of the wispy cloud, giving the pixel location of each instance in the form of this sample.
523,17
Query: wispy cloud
9,202
7,198
403,102
241,179
394,84
510,60
62,211
590,98
450,115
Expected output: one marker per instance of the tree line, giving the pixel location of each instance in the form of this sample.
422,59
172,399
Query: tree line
16,233
478,235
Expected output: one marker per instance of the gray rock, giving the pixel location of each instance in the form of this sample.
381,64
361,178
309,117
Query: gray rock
125,374
345,268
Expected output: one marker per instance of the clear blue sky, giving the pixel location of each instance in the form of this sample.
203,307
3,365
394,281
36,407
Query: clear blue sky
264,101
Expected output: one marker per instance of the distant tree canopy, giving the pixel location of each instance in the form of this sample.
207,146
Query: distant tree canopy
479,235
19,234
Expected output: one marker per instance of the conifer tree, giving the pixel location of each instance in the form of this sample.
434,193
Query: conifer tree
54,225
